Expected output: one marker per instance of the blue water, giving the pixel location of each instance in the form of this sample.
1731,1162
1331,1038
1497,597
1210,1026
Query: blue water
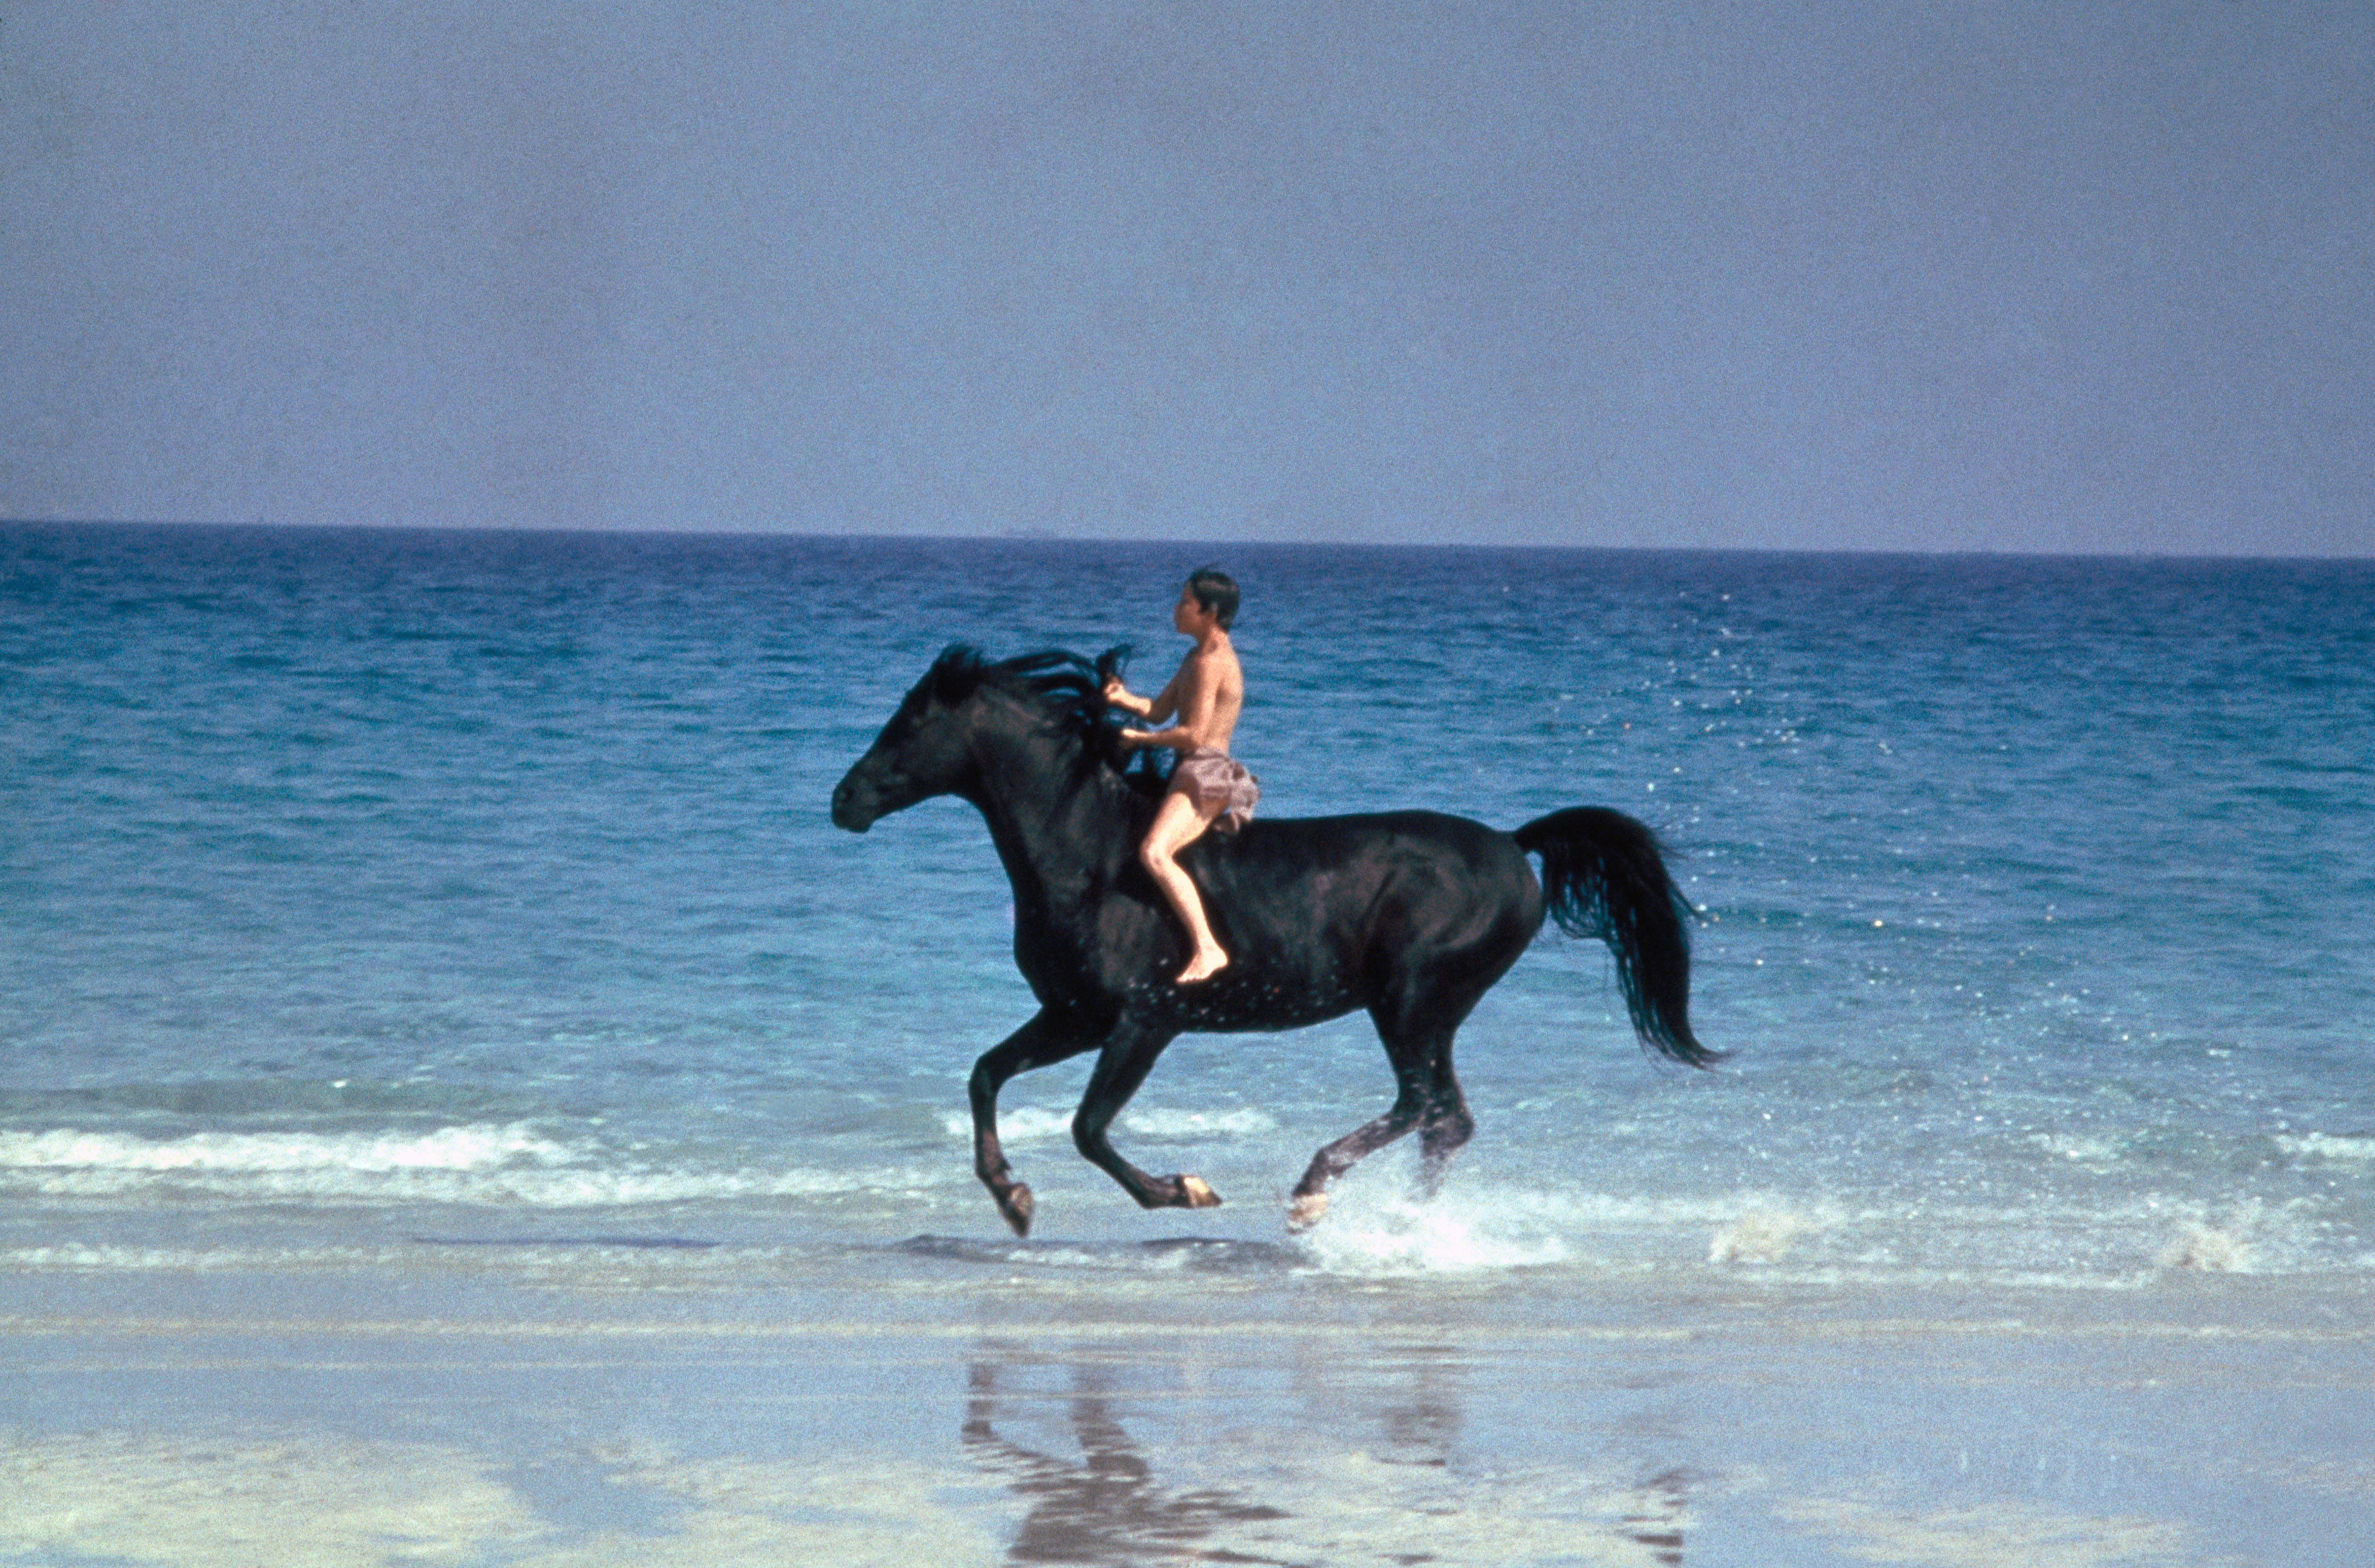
393,896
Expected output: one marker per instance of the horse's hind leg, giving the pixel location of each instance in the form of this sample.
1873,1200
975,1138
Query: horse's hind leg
1048,1037
1446,1127
1417,1025
1412,1052
1129,1054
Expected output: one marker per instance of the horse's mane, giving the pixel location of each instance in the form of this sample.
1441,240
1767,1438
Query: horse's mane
1065,688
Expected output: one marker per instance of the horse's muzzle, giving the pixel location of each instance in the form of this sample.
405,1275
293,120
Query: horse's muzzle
849,811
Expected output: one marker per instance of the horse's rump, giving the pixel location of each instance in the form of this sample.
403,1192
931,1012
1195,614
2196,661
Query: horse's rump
1322,908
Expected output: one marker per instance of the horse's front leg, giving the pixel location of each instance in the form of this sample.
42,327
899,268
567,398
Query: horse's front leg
1129,1053
1049,1037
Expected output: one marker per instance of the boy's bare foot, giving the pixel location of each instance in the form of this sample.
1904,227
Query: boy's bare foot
1203,966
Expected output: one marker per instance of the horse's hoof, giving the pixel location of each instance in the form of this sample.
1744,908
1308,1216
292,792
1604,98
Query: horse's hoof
1198,1194
1016,1204
1306,1211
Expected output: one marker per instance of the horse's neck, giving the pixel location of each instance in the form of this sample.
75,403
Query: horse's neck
1063,831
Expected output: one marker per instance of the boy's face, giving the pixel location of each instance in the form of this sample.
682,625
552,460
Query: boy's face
1189,615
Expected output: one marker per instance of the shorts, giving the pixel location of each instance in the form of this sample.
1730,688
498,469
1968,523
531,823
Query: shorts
1211,778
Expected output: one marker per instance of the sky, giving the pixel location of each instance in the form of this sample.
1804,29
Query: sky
2037,278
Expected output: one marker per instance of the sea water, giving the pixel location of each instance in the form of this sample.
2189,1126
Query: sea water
426,901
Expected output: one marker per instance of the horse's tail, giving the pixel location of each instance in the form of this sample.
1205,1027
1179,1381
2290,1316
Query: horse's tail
1604,876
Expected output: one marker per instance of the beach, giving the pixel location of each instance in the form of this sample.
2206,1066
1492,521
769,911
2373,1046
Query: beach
359,1418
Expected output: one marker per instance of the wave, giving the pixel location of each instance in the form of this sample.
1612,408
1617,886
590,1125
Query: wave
2079,1232
446,1148
480,1163
84,1257
1032,1123
1374,1230
2328,1146
2102,1152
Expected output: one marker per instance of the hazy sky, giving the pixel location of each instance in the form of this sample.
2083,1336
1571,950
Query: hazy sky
2052,277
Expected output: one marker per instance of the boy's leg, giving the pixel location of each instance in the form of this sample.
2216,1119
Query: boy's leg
1177,825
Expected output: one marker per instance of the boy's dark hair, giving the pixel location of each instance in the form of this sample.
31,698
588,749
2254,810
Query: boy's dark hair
1217,592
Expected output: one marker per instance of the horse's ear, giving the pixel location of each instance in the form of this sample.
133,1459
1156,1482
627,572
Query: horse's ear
1112,663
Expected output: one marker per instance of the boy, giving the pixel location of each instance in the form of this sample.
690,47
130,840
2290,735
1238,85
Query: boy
1207,785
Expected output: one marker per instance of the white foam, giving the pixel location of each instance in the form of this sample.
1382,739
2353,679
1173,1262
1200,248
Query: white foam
1032,1123
475,1147
1761,1235
2243,1239
2207,1248
1199,1123
2328,1146
1372,1233
2097,1154
1025,1124
83,1258
1375,1227
514,1165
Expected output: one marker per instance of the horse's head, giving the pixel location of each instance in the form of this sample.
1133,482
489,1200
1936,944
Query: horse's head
924,750
1035,722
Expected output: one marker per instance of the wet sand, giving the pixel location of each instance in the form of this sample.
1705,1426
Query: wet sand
329,1419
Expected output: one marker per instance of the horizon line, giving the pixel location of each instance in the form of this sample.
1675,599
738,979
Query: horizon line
1043,537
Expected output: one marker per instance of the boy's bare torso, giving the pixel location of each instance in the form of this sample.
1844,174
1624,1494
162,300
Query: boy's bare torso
1207,695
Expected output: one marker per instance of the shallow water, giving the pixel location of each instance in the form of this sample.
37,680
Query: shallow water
369,885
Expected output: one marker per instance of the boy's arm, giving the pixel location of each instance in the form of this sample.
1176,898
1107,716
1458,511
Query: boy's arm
1192,692
1156,708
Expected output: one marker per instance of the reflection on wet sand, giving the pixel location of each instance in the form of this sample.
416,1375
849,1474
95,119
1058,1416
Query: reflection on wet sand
1421,1427
649,1446
1659,1526
1288,1492
1107,1507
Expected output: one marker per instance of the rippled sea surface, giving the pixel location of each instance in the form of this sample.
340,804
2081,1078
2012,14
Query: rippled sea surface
394,898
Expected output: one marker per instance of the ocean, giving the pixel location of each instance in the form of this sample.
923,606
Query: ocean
391,912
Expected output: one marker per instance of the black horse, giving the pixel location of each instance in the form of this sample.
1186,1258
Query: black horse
1411,914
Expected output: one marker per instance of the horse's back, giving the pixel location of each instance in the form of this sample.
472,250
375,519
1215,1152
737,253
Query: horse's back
1323,871
1406,835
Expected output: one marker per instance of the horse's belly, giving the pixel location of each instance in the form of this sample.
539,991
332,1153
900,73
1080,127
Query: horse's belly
1248,999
